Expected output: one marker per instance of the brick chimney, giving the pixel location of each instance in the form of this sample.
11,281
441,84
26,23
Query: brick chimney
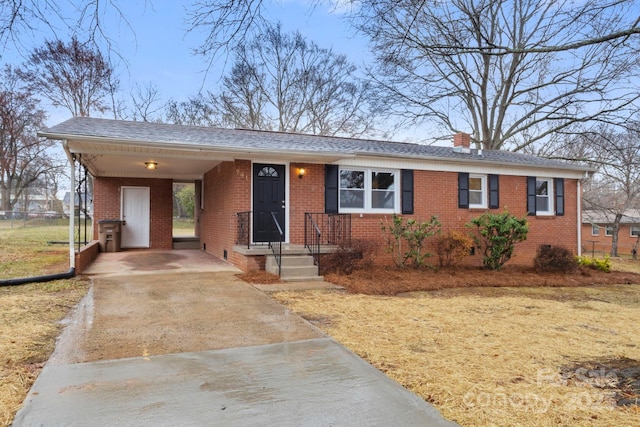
462,139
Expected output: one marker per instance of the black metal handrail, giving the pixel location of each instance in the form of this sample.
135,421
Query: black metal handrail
277,253
243,229
312,236
325,229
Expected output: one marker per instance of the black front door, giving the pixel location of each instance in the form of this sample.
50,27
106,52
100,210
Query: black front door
268,196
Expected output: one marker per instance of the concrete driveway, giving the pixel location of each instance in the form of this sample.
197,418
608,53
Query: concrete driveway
174,338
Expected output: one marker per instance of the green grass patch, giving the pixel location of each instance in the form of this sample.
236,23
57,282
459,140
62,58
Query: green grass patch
26,251
183,227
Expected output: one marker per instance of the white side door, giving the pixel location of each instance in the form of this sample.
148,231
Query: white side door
136,217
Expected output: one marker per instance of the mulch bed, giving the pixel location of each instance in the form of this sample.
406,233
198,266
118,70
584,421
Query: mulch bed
388,280
259,278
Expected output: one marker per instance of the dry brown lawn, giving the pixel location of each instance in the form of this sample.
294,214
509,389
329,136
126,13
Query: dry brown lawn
30,314
498,356
29,324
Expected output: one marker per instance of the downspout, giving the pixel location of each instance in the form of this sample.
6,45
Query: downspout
579,212
72,255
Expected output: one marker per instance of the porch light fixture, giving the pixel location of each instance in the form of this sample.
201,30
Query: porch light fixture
151,165
301,172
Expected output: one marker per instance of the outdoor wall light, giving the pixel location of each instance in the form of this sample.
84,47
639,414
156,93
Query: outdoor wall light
301,172
151,165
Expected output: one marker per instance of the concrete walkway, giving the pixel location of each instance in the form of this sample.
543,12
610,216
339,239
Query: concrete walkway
243,360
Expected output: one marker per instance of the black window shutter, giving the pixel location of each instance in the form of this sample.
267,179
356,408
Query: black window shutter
407,191
559,192
494,191
330,188
463,190
531,195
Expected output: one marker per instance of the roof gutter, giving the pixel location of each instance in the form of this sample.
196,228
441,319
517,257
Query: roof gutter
178,146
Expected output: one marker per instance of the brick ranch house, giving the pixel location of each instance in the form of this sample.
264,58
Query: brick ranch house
597,232
350,186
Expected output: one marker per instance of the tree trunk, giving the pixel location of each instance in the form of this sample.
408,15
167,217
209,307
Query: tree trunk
614,237
5,204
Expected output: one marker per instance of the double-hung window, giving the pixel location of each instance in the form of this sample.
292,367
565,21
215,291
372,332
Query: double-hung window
368,190
608,230
634,230
595,230
477,191
544,196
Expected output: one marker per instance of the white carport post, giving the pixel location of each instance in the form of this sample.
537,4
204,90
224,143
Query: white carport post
72,207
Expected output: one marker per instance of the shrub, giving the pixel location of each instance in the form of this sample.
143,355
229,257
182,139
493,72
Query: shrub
595,263
496,236
452,247
406,240
358,254
556,259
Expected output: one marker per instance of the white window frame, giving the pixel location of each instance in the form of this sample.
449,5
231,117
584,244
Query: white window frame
483,190
368,190
633,228
550,195
608,230
595,230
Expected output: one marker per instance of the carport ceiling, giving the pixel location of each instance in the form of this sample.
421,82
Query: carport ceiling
133,166
116,160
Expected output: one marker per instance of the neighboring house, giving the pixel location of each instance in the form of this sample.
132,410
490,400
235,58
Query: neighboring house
352,185
33,201
82,199
597,231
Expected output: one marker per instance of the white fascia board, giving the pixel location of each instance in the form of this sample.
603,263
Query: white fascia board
76,144
446,165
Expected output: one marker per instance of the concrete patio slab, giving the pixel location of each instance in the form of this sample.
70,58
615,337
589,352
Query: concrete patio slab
151,261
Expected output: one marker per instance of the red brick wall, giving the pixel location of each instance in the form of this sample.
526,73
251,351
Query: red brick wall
306,194
601,244
107,200
436,193
86,256
227,190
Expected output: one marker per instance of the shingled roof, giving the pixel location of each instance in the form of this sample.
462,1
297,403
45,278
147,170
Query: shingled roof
592,216
210,138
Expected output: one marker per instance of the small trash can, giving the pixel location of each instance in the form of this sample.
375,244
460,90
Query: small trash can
109,235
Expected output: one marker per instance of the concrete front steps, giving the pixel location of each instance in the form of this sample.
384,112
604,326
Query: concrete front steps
295,267
186,242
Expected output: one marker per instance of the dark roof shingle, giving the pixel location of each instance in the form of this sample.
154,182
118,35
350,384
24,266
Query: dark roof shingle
244,139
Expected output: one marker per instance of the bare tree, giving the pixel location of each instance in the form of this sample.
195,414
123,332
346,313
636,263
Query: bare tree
616,187
514,72
243,102
282,81
146,103
73,76
225,23
24,158
511,72
18,17
198,110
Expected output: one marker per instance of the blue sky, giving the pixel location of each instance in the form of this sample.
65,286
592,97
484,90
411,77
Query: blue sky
158,50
